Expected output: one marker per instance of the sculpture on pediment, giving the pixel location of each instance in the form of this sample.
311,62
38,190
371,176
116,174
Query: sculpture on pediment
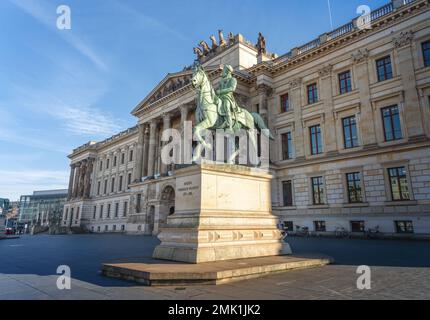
205,47
230,38
261,44
214,43
222,42
198,52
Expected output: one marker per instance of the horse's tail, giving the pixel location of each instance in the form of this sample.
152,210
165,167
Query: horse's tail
261,125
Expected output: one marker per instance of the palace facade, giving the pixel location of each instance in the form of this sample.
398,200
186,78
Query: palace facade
350,112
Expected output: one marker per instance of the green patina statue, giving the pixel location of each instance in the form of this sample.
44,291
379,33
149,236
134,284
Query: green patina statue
219,109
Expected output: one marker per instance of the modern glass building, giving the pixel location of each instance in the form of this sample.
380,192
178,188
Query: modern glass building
4,206
42,207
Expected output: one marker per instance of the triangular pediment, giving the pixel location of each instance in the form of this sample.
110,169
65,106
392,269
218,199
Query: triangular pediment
169,85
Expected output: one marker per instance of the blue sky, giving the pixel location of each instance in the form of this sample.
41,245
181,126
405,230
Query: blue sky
62,88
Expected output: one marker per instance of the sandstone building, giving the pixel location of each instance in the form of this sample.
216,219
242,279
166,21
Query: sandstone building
351,115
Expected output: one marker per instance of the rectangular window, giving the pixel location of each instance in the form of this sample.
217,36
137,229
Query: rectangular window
112,186
345,84
404,226
287,190
120,184
384,69
114,161
114,227
288,226
101,212
285,103
98,188
67,214
358,226
318,190
319,226
101,166
131,155
287,146
316,142
350,135
312,93
399,184
354,187
391,120
123,227
116,209
98,229
426,53
94,212
122,158
108,211
128,180
105,187
107,163
138,203
106,228
124,213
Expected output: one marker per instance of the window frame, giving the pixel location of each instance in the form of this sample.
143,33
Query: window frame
320,191
398,178
312,93
287,145
355,181
387,74
320,226
408,229
393,131
424,50
318,140
284,197
285,101
355,143
347,81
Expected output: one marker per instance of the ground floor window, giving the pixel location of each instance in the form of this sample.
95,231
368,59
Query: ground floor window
319,226
287,191
106,228
358,226
288,226
98,229
404,226
114,227
92,229
123,228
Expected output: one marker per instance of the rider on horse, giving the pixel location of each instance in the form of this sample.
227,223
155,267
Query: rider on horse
228,108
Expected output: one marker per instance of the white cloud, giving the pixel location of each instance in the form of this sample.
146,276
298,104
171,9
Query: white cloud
16,183
81,121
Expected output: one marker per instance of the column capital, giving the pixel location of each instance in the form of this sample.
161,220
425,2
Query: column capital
264,88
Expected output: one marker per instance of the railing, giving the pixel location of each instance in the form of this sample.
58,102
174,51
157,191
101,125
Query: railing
347,28
378,13
341,31
309,46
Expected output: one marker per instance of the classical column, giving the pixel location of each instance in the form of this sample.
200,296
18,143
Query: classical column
71,178
82,178
167,118
152,145
361,69
145,151
87,183
411,107
76,180
330,141
138,172
296,103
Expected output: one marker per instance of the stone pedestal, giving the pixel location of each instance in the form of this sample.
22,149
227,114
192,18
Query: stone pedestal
223,212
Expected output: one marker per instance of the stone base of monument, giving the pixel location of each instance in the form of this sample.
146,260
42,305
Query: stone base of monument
222,230
222,212
163,273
